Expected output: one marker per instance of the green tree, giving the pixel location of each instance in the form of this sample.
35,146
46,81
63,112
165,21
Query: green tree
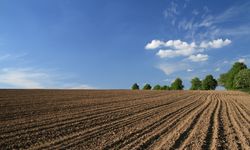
242,79
196,84
222,80
147,87
165,87
177,84
157,87
135,87
227,79
209,83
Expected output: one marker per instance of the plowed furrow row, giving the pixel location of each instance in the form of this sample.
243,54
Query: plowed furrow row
243,130
187,134
222,143
47,124
148,129
210,131
242,113
124,119
197,135
116,127
166,129
118,120
174,136
234,136
24,113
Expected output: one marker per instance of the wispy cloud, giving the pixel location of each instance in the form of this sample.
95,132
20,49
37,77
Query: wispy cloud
202,24
172,10
169,68
22,78
30,78
81,86
25,76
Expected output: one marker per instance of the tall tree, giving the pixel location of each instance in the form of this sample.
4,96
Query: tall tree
135,87
157,87
177,84
196,84
147,87
209,83
242,79
227,79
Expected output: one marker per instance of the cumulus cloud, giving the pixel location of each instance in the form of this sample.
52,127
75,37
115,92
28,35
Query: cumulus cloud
154,44
215,43
198,58
175,48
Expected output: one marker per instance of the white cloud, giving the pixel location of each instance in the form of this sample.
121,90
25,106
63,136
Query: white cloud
172,68
22,78
242,60
203,24
82,86
29,78
189,70
215,43
198,58
172,10
154,44
177,48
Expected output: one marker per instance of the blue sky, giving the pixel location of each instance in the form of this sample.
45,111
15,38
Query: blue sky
111,44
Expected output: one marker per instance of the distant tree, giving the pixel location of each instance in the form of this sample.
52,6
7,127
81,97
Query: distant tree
196,84
147,87
209,83
135,87
242,79
177,84
157,87
165,87
227,79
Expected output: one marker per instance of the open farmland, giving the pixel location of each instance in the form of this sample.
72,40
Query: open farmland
121,119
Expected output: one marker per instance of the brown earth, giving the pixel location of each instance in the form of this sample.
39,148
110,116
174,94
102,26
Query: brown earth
123,119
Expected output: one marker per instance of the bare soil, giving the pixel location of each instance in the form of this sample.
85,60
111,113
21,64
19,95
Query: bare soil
123,119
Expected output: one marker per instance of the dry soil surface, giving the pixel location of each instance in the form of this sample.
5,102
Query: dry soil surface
123,119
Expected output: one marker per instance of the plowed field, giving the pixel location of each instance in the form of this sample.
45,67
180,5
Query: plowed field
120,119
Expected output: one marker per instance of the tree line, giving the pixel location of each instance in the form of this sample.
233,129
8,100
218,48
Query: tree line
238,77
209,83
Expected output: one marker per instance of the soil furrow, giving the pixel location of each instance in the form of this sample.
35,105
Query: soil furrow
222,143
124,119
184,135
210,131
115,124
